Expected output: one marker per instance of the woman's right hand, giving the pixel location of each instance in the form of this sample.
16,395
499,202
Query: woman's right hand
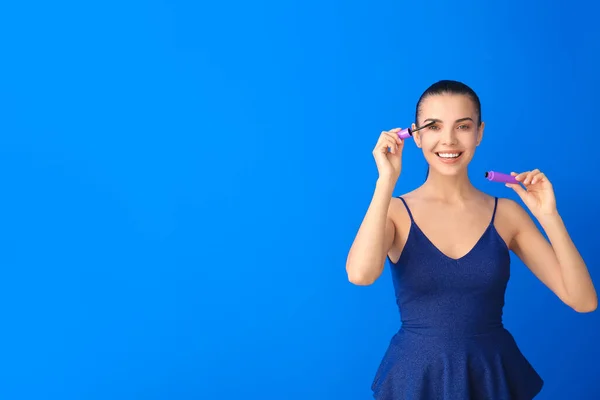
388,154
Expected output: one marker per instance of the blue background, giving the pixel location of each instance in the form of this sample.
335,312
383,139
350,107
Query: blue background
181,182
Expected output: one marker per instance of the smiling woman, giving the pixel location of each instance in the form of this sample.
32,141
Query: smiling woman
462,93
448,245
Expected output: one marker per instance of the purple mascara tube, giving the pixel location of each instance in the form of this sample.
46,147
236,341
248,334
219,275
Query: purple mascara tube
405,133
500,177
408,132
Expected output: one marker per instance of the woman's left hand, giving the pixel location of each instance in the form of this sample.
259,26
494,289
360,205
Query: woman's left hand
537,192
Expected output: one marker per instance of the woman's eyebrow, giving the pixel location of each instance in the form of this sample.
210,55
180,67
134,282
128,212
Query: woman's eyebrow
458,120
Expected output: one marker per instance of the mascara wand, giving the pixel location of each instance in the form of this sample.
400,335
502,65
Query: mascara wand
407,132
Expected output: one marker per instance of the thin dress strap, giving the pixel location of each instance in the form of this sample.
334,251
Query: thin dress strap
494,213
407,209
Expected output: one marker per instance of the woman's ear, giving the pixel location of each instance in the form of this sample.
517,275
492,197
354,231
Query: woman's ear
416,135
479,133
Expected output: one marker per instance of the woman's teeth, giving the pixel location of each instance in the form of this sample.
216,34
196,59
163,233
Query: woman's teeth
448,155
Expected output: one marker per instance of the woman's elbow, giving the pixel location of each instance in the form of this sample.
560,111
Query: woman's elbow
362,276
361,280
589,307
587,304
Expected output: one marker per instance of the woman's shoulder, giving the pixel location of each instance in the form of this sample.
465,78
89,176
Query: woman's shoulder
511,210
408,196
507,209
503,202
507,204
400,207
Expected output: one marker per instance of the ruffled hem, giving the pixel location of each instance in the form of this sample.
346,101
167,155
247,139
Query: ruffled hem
482,367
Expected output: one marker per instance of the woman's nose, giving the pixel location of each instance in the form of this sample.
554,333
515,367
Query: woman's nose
449,137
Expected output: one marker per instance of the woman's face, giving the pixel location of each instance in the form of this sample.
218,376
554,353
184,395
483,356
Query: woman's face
449,144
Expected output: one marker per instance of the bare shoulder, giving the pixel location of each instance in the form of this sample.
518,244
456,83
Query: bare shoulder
398,210
398,214
510,205
512,218
512,211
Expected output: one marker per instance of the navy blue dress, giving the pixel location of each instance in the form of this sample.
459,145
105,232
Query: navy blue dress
452,344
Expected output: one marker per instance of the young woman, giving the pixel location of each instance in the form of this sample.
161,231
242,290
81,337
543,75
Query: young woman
448,246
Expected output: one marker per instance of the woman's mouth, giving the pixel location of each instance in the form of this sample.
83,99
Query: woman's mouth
449,157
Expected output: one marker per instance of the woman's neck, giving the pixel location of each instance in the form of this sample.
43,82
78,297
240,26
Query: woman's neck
449,188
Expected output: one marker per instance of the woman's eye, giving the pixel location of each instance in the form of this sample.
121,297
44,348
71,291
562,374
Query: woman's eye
433,128
463,127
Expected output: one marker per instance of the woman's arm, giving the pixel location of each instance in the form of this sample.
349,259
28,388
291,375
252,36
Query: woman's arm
366,258
556,261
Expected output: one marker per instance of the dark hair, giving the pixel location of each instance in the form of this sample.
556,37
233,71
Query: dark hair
449,87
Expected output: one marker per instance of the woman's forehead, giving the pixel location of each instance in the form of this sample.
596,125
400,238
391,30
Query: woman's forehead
447,107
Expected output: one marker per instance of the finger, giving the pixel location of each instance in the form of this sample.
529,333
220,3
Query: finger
528,180
387,144
391,131
393,144
533,175
381,145
519,176
383,138
539,177
393,134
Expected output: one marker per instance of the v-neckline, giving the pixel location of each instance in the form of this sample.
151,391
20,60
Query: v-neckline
471,250
489,227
